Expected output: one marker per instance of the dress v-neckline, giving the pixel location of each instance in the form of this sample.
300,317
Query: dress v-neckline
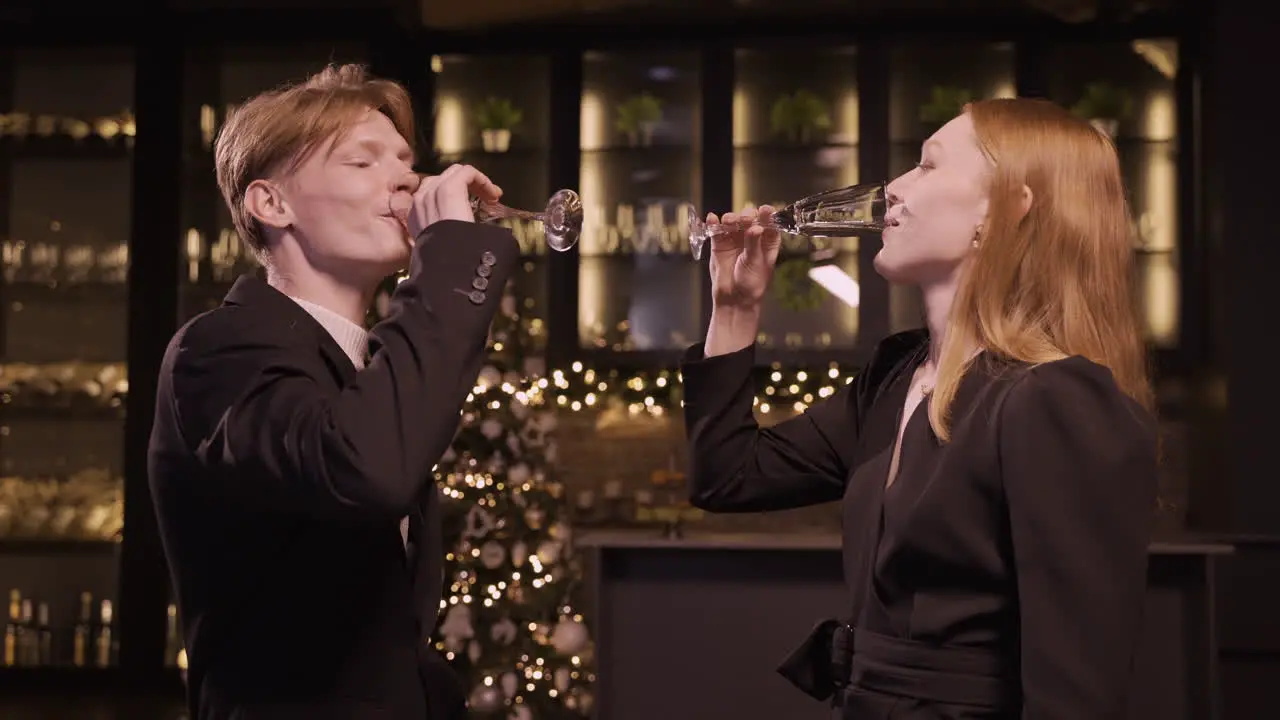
900,427
899,439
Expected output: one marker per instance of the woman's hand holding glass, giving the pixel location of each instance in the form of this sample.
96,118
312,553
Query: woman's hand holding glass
744,248
743,252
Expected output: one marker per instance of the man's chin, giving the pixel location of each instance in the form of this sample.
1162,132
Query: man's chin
372,271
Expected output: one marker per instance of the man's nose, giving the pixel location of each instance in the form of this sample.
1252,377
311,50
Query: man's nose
407,182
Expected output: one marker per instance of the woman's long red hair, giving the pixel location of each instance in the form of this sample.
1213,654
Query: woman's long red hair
1058,280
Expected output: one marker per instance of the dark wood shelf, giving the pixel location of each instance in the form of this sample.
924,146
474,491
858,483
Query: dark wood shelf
1130,141
517,152
795,148
642,150
1121,141
17,412
604,359
52,546
69,292
62,147
82,681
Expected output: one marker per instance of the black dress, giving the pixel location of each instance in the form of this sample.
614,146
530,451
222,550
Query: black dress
1002,574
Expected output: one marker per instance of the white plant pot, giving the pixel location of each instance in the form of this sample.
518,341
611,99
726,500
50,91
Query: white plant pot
1106,126
646,133
496,141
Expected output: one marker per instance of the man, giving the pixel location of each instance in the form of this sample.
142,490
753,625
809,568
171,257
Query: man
291,456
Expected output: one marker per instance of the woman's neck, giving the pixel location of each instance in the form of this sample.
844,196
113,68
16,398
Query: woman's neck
938,298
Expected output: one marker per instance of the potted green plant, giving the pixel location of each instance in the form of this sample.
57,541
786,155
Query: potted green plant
497,117
1104,105
800,116
637,117
794,289
944,104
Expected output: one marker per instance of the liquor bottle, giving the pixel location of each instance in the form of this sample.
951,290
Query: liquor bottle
12,628
83,631
27,641
44,635
102,647
173,638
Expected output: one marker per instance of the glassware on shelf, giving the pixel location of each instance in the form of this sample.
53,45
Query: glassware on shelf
844,212
561,219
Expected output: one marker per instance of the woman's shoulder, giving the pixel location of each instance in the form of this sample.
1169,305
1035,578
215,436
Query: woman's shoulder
1072,389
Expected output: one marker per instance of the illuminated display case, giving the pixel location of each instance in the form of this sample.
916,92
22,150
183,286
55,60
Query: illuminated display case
795,133
492,111
638,286
67,133
1128,90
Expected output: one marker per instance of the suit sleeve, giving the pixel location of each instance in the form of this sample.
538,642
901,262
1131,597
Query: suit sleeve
368,450
737,466
1080,466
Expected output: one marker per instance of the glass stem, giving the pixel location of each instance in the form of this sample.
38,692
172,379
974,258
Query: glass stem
497,211
721,229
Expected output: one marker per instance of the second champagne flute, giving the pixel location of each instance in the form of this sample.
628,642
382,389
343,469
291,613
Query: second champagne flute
844,212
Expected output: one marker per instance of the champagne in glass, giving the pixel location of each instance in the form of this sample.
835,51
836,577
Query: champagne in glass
561,219
844,212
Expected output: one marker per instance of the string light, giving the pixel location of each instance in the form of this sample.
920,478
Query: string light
656,393
545,673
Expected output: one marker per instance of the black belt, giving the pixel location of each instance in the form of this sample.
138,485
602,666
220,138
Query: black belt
836,656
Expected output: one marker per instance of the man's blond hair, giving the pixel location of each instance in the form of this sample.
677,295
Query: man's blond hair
279,129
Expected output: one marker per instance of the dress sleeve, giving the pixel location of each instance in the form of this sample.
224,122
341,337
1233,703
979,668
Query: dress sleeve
737,466
1080,463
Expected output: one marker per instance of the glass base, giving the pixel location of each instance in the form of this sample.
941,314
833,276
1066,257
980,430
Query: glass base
562,221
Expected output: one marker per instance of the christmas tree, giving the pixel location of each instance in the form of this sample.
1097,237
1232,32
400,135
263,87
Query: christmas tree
507,623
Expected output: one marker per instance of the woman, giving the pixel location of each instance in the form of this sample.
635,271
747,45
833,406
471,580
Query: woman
997,469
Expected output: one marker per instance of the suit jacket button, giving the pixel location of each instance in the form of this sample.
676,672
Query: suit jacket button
484,270
488,259
476,297
479,283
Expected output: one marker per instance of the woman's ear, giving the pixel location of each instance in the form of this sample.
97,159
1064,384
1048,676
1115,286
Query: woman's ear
1028,199
265,202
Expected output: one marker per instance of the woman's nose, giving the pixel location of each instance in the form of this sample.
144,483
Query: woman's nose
893,192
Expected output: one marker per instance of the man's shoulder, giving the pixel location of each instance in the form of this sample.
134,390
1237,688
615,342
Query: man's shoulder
223,328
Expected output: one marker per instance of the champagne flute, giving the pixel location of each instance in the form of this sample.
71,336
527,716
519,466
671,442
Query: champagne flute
561,219
844,212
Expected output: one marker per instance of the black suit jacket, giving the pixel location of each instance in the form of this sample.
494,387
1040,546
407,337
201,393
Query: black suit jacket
1003,573
280,476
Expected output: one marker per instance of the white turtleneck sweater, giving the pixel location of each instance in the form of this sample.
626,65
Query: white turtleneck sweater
354,341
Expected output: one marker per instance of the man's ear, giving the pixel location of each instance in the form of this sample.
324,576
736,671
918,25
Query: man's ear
265,202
